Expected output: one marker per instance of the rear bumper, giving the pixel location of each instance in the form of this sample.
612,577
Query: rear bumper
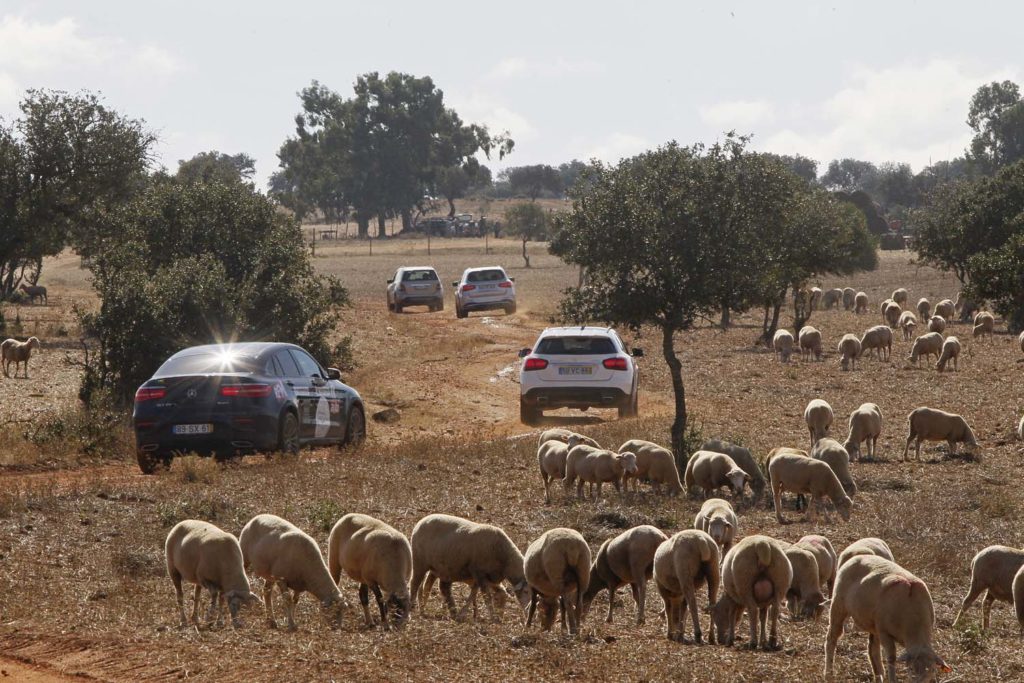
575,397
425,300
230,435
486,305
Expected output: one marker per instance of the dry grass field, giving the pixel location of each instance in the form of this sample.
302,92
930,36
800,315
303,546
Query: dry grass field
83,589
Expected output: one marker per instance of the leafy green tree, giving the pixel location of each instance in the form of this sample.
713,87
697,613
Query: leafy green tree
850,175
533,181
803,167
997,275
996,116
528,222
207,167
896,186
571,172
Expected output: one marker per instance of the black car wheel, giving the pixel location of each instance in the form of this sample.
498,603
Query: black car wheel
397,307
459,313
149,463
288,437
509,310
528,414
355,432
629,409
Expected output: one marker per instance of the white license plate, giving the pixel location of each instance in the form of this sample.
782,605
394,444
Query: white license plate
193,429
575,370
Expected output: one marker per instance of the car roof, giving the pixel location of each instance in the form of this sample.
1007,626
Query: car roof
578,331
417,268
478,268
250,349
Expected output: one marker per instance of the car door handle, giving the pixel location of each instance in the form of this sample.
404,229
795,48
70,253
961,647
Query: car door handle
291,384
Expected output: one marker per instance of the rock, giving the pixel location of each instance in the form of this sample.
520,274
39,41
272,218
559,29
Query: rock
387,416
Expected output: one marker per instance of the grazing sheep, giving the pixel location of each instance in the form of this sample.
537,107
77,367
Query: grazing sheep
929,424
551,457
200,553
900,296
926,345
1020,429
810,343
945,309
908,321
849,351
654,463
950,352
681,565
937,324
281,554
14,351
984,323
804,597
35,292
718,520
834,454
454,549
865,425
848,298
815,298
756,574
893,606
563,435
1020,342
884,305
892,315
818,416
379,558
799,474
924,308
1018,598
597,467
825,555
865,546
782,345
860,303
879,339
557,568
833,298
626,559
710,470
992,573
742,457
767,460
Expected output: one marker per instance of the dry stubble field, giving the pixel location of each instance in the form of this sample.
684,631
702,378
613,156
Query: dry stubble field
82,583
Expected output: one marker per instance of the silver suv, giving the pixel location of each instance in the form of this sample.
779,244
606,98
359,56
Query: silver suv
484,289
415,286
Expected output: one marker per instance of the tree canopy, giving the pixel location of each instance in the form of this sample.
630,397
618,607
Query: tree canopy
533,181
996,116
216,166
528,222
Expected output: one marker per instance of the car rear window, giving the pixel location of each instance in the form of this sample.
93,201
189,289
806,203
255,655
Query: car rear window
419,276
575,346
205,364
486,276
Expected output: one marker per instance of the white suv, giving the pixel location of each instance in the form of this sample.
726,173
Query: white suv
578,367
484,289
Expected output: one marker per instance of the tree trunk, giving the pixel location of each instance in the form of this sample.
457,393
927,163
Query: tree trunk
675,368
406,220
363,223
726,317
382,226
769,328
526,257
451,207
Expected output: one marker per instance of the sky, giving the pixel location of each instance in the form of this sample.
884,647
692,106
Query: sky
881,81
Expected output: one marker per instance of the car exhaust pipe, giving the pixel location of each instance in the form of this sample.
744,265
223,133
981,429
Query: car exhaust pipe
242,444
149,447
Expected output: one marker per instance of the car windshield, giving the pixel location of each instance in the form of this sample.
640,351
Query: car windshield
493,275
419,276
579,346
206,363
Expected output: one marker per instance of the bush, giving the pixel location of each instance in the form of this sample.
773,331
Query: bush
97,431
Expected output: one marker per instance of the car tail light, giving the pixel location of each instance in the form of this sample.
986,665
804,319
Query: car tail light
149,394
245,390
401,288
505,285
535,364
468,288
616,363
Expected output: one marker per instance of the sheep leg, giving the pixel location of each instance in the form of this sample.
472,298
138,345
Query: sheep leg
428,586
611,602
690,602
364,600
289,604
195,604
446,593
752,615
712,599
180,596
952,447
471,600
969,599
598,494
579,490
214,598
547,488
762,617
670,616
918,457
889,647
533,608
906,448
268,600
986,608
640,598
416,585
773,639
381,606
777,495
561,610
836,618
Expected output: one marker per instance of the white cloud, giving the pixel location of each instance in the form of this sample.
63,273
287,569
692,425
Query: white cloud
617,146
483,108
739,115
10,92
520,67
36,46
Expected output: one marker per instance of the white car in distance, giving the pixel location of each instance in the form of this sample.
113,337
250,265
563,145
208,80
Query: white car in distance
578,367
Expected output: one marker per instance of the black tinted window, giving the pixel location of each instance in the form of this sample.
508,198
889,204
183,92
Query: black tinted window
486,276
419,276
307,366
581,346
288,366
206,364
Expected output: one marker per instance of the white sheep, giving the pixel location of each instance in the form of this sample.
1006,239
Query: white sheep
849,351
879,339
743,458
926,345
804,597
815,298
1020,429
598,467
710,471
893,606
833,298
818,416
826,557
756,574
557,568
929,424
892,314
681,564
945,309
200,553
984,324
865,425
802,475
810,342
900,296
782,345
835,455
950,352
14,351
563,435
283,555
865,546
1020,342
454,549
626,559
379,558
992,573
924,308
717,519
860,303
908,321
551,456
937,324
654,463
848,298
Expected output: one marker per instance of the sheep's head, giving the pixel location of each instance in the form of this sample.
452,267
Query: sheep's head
521,591
925,667
812,606
628,461
399,606
844,362
724,616
720,530
240,599
332,609
844,505
34,343
574,440
737,480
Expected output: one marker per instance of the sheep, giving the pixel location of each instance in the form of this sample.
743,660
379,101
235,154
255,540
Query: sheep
833,298
937,324
454,549
834,454
815,298
879,339
557,567
379,558
893,606
825,555
36,292
945,309
810,343
950,351
900,296
924,308
1020,430
865,425
800,474
782,345
926,345
577,452
718,520
767,460
818,416
551,457
992,573
804,597
14,351
597,467
860,303
283,555
626,559
756,575
710,470
1020,341
908,321
681,564
654,463
892,315
742,457
1018,598
563,435
984,323
849,350
929,424
848,298
865,546
200,553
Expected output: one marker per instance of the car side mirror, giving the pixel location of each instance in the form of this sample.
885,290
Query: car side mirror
455,284
334,373
511,279
638,353
523,353
390,280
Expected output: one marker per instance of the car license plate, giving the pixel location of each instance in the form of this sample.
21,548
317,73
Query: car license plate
193,429
575,370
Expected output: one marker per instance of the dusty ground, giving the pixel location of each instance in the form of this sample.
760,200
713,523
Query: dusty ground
82,585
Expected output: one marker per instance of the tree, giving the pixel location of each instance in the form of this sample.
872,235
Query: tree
896,187
527,222
803,167
533,181
996,116
571,172
997,275
850,175
207,167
